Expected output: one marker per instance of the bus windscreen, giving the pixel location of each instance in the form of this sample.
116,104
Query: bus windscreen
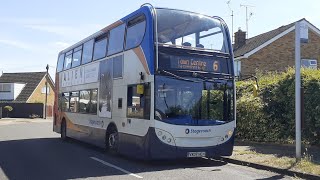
187,29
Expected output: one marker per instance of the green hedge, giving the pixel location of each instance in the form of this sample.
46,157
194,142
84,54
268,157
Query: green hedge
270,117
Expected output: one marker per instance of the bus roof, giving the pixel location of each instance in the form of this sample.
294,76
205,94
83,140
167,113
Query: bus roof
106,29
144,7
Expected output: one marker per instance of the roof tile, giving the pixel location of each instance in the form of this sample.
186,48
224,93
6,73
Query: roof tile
260,39
31,79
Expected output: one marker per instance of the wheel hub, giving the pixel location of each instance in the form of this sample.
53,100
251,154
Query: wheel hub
112,140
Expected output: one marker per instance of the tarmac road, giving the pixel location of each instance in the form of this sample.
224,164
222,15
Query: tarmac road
30,150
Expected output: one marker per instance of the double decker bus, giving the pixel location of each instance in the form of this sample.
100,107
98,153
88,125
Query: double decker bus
156,84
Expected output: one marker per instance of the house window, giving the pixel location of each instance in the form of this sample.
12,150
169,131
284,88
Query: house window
43,90
5,88
309,63
237,67
138,104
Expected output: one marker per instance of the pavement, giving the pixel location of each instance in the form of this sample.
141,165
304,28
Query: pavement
279,158
279,150
30,150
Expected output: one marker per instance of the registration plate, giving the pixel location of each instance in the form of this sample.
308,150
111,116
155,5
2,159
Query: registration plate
196,154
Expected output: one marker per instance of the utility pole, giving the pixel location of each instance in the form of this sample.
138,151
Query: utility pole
297,91
247,18
46,100
232,35
301,36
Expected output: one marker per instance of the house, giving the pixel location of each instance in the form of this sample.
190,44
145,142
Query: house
26,88
275,50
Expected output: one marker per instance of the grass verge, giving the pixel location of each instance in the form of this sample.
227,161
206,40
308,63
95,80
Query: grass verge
305,165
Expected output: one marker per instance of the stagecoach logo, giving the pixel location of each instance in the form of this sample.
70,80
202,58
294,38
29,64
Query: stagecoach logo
96,123
197,131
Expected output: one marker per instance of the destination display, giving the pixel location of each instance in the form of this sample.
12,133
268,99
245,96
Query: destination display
192,63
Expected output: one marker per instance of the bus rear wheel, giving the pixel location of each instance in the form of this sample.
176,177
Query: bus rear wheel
112,139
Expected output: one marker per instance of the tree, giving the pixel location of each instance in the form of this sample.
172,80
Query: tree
8,109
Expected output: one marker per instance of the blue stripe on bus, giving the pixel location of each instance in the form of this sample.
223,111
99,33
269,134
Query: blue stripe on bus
147,43
187,120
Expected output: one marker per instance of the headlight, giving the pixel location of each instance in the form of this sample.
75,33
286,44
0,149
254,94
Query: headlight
165,137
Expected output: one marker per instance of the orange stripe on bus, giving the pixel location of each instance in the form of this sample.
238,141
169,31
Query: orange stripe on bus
139,52
113,25
71,125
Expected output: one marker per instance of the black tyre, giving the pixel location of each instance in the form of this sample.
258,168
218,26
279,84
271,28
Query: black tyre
112,139
64,131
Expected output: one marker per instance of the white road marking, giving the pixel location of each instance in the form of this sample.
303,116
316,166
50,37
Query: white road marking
116,167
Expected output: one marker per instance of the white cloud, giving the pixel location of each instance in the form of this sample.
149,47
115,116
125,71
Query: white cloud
50,25
16,43
61,45
70,32
26,21
59,30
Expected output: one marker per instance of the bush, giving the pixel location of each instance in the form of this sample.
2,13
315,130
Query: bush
8,109
271,116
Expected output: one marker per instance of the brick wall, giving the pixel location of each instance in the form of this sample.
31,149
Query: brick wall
279,55
39,97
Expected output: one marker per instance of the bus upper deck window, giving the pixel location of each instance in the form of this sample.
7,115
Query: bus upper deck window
76,57
116,39
135,32
60,63
100,47
68,60
87,51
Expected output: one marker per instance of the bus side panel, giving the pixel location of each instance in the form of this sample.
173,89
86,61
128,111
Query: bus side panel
94,136
133,146
78,127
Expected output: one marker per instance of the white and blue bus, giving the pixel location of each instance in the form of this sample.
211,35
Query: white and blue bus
157,84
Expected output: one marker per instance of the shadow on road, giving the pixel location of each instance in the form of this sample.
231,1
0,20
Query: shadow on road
51,158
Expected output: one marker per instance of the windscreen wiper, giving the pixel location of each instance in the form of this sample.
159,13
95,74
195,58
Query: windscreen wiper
179,77
200,74
203,72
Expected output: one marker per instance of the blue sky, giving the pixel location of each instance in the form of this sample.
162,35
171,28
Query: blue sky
34,31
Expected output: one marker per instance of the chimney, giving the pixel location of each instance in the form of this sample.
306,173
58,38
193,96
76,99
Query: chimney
239,38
